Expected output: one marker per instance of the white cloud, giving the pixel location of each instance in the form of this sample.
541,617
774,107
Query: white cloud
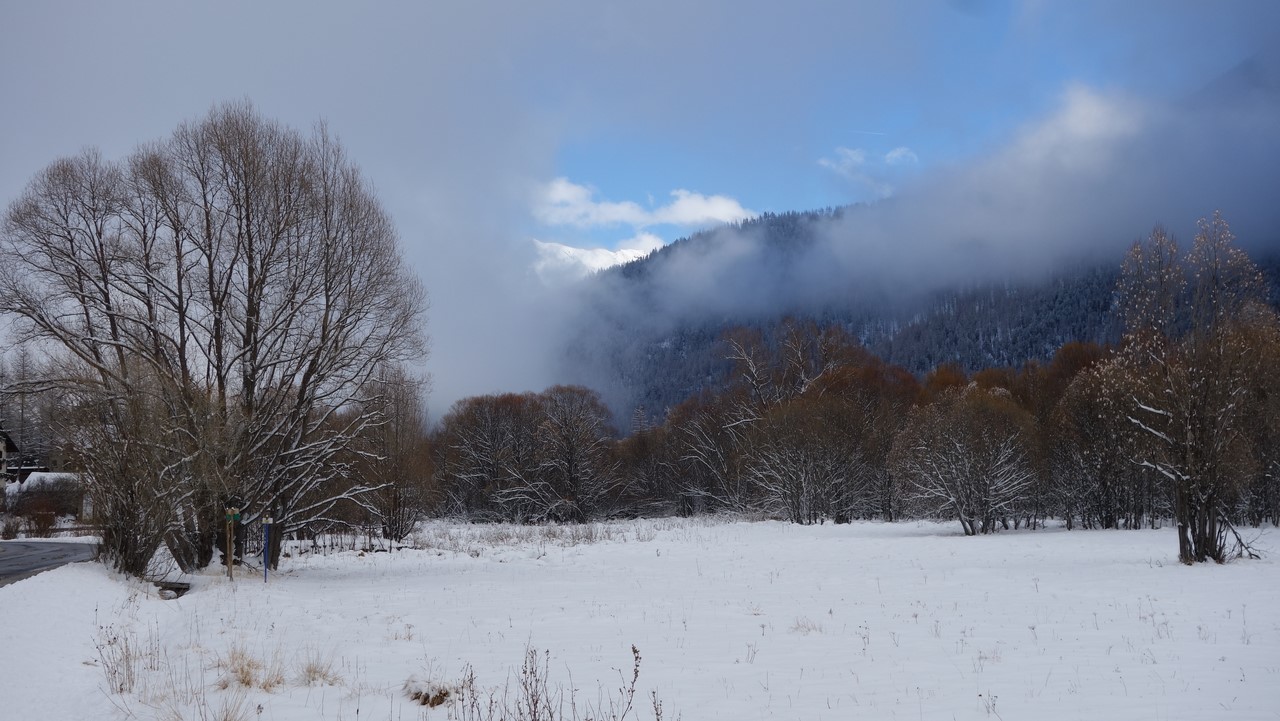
847,161
691,209
566,203
563,202
901,156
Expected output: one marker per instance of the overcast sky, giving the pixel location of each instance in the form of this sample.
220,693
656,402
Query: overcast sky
486,126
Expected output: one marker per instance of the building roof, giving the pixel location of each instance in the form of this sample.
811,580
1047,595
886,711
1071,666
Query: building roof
9,445
41,481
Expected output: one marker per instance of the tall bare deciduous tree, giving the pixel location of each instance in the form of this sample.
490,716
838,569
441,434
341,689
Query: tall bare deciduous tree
1184,317
240,277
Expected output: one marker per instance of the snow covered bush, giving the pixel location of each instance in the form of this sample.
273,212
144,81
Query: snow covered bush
965,457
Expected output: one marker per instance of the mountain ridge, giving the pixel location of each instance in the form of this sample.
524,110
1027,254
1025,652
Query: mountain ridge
651,337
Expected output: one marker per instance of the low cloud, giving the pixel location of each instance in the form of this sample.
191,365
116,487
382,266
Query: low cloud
562,203
1085,135
1076,185
694,209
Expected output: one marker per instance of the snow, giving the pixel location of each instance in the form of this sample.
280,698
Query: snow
733,620
556,260
35,480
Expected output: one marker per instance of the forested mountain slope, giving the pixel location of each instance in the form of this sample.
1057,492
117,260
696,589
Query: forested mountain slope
650,335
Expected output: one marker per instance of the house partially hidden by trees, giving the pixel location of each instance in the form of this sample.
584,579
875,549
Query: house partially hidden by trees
58,494
33,492
8,453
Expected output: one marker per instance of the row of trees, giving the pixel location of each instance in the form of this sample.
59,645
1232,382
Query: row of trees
225,313
1180,422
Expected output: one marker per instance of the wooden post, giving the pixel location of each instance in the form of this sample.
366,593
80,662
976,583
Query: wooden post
233,516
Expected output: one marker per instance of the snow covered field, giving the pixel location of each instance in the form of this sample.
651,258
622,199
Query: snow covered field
733,620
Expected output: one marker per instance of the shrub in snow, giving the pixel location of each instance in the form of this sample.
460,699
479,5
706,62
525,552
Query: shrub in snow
532,699
428,692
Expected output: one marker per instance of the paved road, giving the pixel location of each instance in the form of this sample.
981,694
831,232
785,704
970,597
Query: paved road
20,559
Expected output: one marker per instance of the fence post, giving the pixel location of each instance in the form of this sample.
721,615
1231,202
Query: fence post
233,517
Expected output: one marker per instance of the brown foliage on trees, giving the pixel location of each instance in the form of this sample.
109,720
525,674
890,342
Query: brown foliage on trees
945,377
804,461
528,457
1187,336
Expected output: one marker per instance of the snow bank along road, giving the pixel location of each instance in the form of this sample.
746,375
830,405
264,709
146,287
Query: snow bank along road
20,559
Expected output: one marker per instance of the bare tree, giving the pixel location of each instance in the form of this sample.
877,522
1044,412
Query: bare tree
716,433
806,463
543,457
487,458
709,435
1262,496
23,406
964,457
242,276
137,476
575,438
1095,478
648,472
395,456
1183,336
879,397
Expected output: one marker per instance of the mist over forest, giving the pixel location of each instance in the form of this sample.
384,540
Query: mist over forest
649,333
